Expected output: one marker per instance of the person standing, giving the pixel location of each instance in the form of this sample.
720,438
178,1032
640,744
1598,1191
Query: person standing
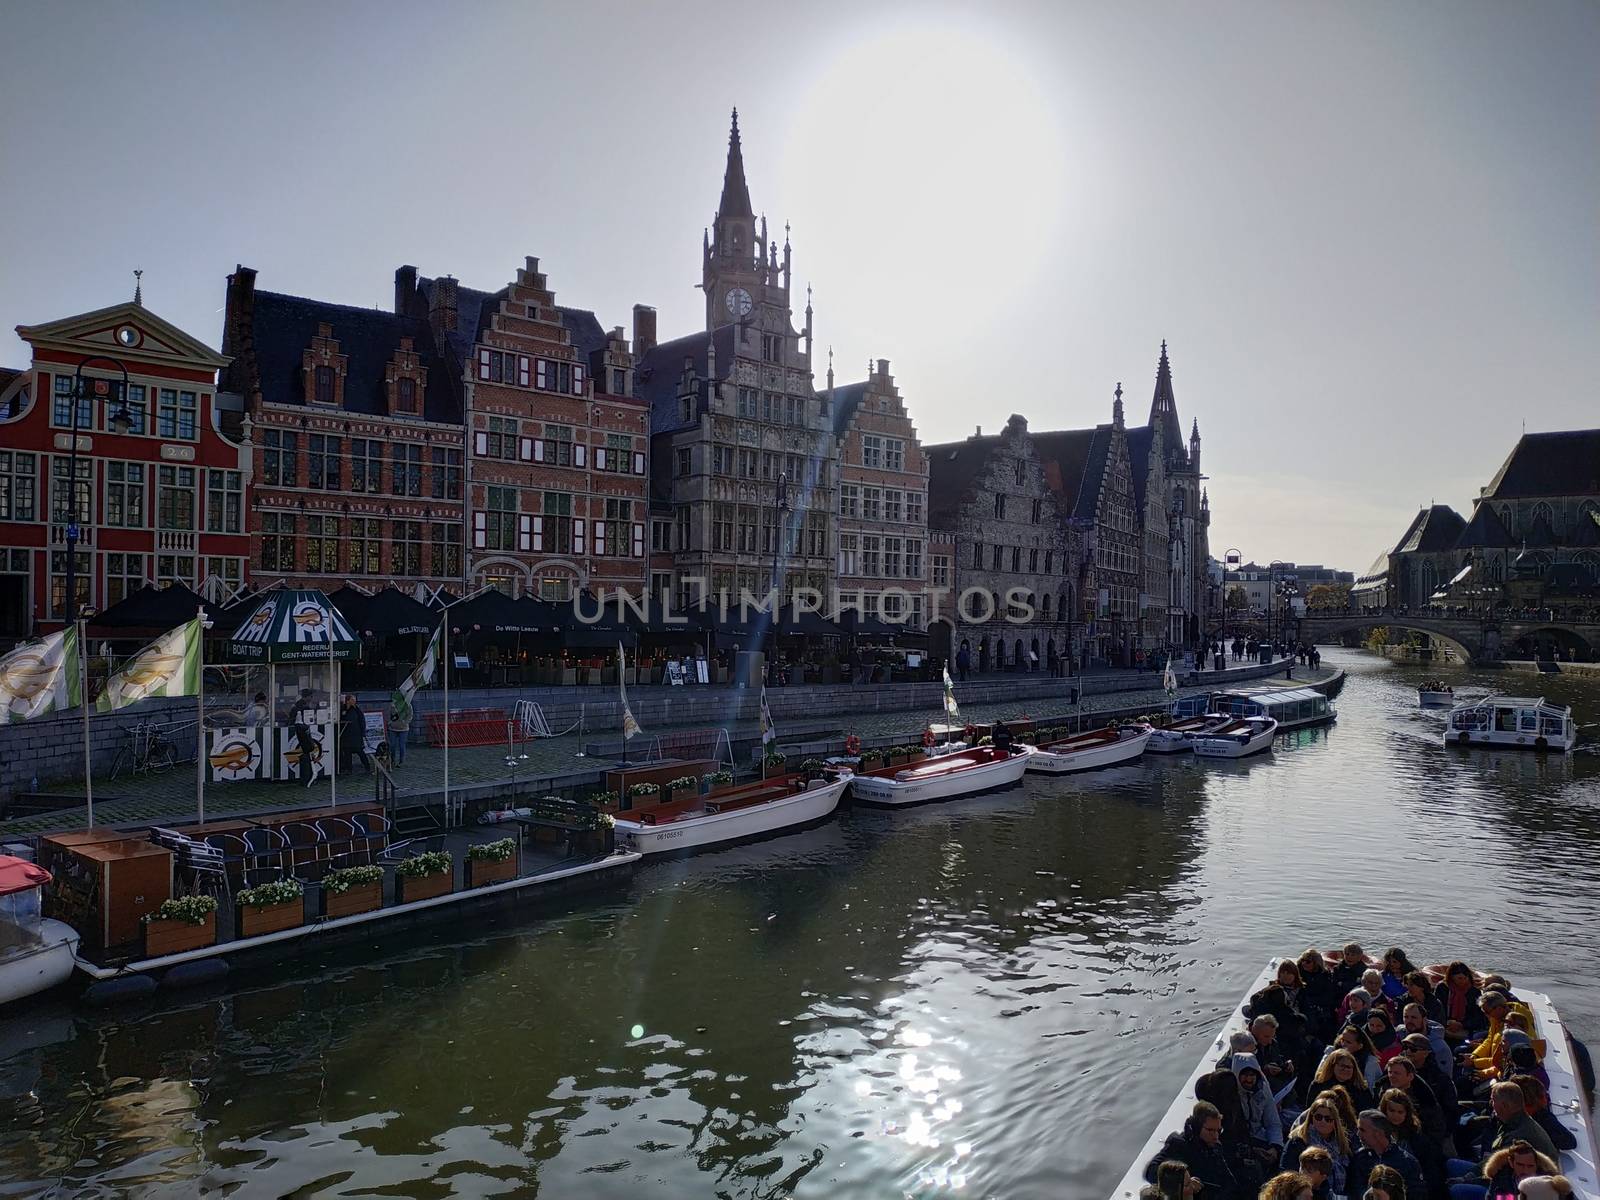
256,714
301,720
399,731
963,661
352,735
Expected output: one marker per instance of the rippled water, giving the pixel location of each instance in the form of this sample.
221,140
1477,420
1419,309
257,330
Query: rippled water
995,997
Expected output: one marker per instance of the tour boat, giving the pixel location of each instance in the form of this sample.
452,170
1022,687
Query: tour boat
756,810
1435,695
1240,738
35,952
1567,1097
1511,723
1174,738
1291,708
1087,751
964,773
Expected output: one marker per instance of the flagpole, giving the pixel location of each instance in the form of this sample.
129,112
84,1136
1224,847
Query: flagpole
446,721
200,715
333,723
88,753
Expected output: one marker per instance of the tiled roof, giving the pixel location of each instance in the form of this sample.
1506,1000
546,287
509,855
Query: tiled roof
953,469
583,327
1140,439
846,399
1437,527
1065,454
1485,530
284,327
1550,464
1087,506
657,373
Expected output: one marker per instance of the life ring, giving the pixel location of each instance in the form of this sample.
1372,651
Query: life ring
852,745
927,738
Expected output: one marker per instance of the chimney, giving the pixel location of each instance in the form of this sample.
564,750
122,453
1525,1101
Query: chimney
442,305
238,330
978,432
644,330
405,291
883,368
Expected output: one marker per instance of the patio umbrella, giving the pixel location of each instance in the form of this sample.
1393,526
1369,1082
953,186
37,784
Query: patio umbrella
392,613
152,610
493,611
803,622
444,598
591,625
287,625
352,602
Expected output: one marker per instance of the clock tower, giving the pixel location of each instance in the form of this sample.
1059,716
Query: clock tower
741,273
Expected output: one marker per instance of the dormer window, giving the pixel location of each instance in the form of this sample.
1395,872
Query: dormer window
324,392
322,368
406,380
405,396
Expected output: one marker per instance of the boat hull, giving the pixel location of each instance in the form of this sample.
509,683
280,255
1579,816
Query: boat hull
1498,739
771,819
38,968
1241,745
1045,761
887,792
1435,699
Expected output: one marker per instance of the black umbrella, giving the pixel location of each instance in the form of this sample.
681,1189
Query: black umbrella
444,598
803,622
352,602
392,613
587,624
154,609
493,611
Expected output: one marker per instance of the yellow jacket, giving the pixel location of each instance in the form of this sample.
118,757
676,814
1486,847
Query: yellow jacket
1485,1057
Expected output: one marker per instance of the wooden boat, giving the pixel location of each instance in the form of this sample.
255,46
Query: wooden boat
1511,723
1567,1099
36,953
1237,739
757,810
1435,695
1174,738
964,773
1088,751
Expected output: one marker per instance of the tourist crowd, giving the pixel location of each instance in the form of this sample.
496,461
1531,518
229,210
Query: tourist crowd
1372,1082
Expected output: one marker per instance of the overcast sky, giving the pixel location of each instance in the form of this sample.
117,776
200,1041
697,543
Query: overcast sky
1370,233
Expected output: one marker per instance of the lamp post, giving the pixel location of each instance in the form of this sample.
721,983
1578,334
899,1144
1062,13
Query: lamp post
1231,555
780,506
99,391
1272,591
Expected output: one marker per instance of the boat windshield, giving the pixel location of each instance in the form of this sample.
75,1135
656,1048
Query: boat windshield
19,919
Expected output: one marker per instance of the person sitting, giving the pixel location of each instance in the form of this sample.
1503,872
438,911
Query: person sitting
1420,1051
1321,1128
1339,1067
1316,1164
1385,1183
1401,1112
1358,1042
1414,1019
1199,1148
1319,995
1536,1102
1482,1057
1262,1121
1436,1124
1275,1060
1287,1185
1503,1172
1351,967
1396,966
1240,1041
1372,984
1520,1058
1458,999
1509,1124
1379,1149
1380,1031
1419,990
1250,1159
1545,1187
1173,1182
1355,1003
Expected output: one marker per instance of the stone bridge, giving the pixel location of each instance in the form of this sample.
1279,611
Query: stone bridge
1475,639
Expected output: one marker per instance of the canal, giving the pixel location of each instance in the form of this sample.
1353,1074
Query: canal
994,997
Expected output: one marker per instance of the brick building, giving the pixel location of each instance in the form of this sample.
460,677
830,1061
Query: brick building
353,419
733,409
883,501
558,453
993,504
160,503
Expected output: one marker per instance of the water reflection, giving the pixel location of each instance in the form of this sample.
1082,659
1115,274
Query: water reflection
992,996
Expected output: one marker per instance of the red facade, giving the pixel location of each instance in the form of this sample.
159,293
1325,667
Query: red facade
163,502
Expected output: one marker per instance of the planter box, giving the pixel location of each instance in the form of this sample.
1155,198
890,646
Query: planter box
409,888
252,922
480,872
568,676
174,937
594,842
363,898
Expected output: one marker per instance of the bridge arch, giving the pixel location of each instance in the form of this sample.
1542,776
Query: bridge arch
1322,628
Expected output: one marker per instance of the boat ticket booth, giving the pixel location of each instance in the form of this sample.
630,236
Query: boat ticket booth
298,641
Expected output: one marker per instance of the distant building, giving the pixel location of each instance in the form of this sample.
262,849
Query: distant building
160,502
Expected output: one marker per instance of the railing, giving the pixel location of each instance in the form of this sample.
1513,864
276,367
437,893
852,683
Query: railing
383,787
176,540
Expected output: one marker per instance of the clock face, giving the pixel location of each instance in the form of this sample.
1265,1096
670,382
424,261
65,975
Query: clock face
128,335
738,301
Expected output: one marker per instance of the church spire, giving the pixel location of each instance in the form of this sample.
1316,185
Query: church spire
1116,408
1164,405
735,200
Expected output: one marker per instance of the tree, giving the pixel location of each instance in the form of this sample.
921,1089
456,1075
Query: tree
1329,595
1238,598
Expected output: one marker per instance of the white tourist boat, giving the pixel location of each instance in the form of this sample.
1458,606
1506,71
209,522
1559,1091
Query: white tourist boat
1511,723
1175,737
964,773
756,810
36,953
1567,1098
1240,738
1291,708
1089,751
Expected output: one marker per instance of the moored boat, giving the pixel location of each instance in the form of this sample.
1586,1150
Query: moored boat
1567,1097
36,953
1175,737
756,810
1089,751
964,773
1511,723
1239,738
1291,708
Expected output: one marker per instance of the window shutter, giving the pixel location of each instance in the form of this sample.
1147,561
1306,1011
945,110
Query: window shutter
578,454
638,462
480,443
577,536
538,449
638,539
524,532
538,535
577,380
483,364
541,373
525,449
480,530
599,458
522,370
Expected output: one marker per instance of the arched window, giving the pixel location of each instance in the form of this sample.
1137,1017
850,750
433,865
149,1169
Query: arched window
1543,511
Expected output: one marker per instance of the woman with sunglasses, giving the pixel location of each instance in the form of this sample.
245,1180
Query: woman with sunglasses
1321,1125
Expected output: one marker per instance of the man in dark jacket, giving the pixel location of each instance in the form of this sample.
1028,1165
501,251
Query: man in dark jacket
1378,1148
1199,1147
352,736
1347,975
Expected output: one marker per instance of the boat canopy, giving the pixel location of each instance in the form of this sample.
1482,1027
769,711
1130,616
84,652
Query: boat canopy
20,875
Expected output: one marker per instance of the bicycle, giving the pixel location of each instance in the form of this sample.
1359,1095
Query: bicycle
145,748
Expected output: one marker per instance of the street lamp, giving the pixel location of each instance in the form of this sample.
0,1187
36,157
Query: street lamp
1272,591
99,391
780,506
1231,555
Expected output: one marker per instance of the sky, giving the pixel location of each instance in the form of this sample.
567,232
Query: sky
1370,233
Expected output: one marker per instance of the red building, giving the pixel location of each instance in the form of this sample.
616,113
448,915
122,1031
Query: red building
162,502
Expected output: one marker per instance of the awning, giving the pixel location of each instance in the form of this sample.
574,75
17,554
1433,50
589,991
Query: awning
153,610
293,626
493,611
392,613
588,623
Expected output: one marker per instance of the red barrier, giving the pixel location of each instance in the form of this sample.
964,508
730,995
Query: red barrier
468,727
